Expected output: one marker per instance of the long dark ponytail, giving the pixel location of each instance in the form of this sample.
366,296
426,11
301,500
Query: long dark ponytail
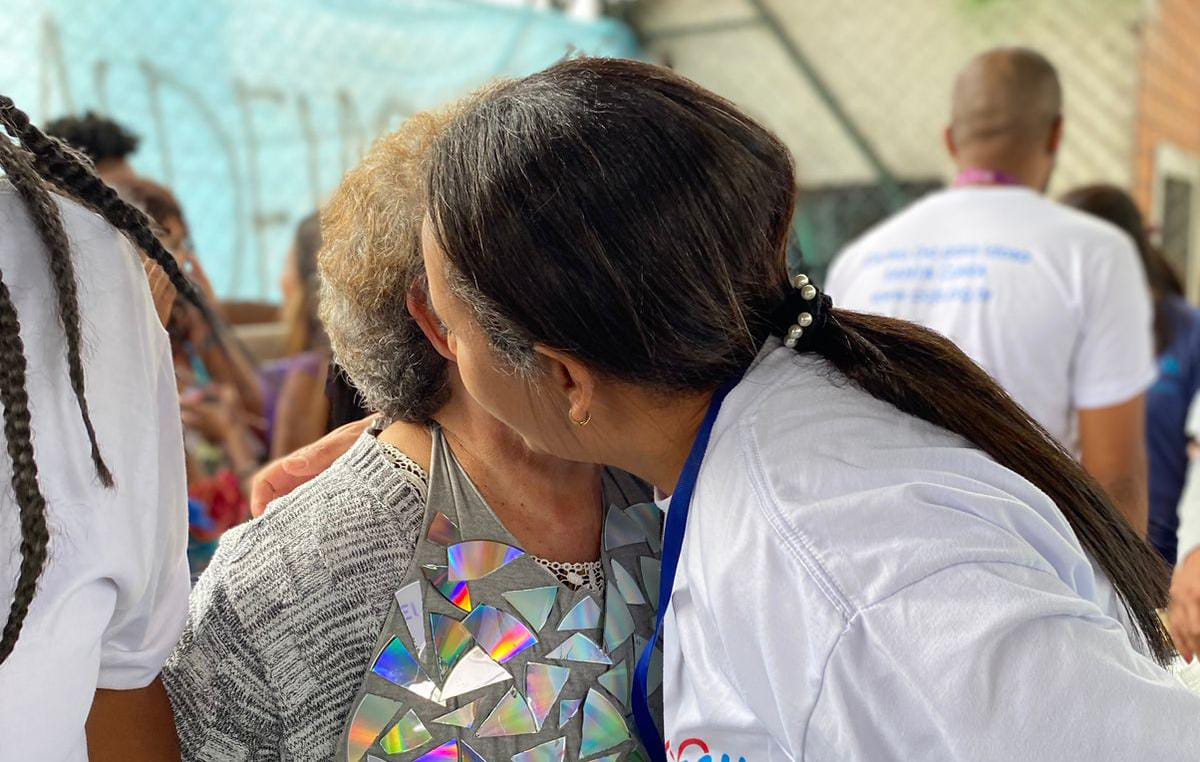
36,165
653,217
924,374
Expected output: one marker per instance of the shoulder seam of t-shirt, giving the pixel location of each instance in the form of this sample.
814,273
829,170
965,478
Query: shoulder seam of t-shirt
861,613
981,562
797,545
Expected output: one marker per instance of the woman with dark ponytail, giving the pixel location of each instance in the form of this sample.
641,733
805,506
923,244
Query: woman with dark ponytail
871,552
94,527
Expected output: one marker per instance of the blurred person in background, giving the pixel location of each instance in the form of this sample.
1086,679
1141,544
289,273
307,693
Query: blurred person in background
1177,346
219,394
294,387
1051,302
92,521
104,141
210,354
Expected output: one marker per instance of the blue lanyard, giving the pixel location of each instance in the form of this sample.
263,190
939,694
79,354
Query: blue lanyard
677,514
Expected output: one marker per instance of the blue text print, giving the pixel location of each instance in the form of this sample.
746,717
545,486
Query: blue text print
956,273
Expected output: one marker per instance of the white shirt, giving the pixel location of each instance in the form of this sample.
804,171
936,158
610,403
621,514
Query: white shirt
1051,302
112,599
858,584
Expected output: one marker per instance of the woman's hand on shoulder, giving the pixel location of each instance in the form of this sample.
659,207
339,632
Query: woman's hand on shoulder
281,476
1183,612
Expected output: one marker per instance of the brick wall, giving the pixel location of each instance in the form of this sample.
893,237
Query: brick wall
1168,102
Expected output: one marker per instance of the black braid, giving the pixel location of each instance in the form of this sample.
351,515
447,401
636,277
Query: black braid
73,175
30,503
40,163
48,221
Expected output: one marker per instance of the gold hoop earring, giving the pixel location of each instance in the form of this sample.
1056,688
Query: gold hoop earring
586,420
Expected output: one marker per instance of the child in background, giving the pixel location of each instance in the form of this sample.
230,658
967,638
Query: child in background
219,398
296,405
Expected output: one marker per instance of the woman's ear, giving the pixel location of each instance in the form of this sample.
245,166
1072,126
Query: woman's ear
417,304
567,376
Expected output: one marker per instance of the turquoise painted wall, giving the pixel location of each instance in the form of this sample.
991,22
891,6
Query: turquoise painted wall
251,111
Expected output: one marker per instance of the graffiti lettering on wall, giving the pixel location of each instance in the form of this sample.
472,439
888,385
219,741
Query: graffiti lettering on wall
252,140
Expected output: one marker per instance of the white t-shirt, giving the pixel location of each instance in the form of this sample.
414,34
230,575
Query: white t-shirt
1051,302
112,599
858,584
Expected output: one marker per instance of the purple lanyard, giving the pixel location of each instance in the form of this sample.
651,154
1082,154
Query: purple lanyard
977,176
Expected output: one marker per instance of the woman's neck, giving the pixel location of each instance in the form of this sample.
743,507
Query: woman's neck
653,437
553,507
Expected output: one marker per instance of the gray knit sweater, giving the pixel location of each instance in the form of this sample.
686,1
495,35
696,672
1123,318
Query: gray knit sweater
283,621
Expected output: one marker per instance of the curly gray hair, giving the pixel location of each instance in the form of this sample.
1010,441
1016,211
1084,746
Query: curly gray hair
370,259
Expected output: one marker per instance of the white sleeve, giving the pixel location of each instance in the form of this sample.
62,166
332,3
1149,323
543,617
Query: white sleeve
997,662
1115,359
152,603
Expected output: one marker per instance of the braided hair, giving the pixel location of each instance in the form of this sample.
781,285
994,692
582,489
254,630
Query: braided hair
37,165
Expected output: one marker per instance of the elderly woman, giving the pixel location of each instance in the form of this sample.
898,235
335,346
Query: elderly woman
440,592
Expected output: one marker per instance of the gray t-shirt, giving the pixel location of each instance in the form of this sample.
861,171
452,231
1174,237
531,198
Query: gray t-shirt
287,619
485,654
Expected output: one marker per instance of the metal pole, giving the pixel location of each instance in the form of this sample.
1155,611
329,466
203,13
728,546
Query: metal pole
829,98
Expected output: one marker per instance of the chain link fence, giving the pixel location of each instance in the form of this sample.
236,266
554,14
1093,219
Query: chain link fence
860,91
251,111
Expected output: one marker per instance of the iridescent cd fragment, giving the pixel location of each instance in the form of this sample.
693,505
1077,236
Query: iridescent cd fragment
501,634
579,647
603,725
627,586
608,758
478,558
463,717
543,683
511,717
447,752
368,721
551,751
616,682
396,665
469,754
535,604
473,671
651,571
450,639
567,709
584,615
654,675
455,592
618,623
443,531
408,734
620,530
649,519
